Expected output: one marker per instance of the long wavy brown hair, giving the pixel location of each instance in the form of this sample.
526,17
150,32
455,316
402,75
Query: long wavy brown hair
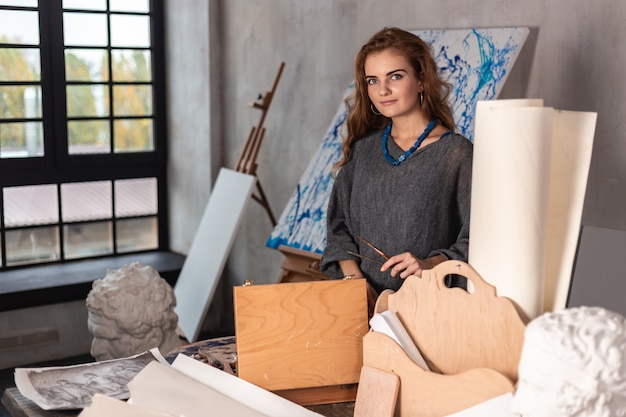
361,118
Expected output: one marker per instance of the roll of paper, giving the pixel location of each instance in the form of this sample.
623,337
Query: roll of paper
510,192
572,143
529,178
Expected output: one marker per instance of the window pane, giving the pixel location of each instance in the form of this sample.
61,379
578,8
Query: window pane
86,65
83,240
30,205
85,29
136,197
129,5
137,234
23,3
89,137
131,65
21,140
19,64
86,201
87,100
85,4
33,245
130,30
132,100
133,135
20,101
19,27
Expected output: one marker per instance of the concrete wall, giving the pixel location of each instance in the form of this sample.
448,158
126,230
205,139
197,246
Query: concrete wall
572,59
39,334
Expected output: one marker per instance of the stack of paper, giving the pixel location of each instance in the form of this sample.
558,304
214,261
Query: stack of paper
191,388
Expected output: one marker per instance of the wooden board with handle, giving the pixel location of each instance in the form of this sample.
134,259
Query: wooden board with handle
457,330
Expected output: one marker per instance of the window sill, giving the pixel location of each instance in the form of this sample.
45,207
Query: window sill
71,281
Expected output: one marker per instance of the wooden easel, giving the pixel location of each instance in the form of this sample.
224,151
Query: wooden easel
247,161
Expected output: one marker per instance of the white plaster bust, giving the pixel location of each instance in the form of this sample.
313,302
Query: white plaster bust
131,310
573,363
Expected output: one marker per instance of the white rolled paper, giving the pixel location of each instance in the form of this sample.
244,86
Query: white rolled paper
529,178
572,143
510,190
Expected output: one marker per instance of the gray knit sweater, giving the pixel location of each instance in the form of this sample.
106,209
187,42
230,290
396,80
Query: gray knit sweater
421,206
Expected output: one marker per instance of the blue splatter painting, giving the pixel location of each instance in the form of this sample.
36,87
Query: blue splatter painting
475,61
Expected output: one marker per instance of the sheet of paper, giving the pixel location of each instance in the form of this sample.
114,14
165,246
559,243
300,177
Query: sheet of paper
572,143
162,388
103,406
387,322
248,394
72,387
510,194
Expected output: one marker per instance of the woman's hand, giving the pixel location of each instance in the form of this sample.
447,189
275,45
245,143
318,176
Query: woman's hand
405,264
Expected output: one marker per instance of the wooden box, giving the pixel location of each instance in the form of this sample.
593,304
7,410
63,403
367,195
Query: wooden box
302,340
470,340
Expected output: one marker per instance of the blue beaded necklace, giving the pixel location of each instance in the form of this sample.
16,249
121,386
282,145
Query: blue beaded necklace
416,145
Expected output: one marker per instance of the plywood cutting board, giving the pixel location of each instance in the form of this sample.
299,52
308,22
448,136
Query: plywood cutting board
302,334
455,330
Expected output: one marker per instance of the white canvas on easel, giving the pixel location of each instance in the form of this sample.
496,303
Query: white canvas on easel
209,250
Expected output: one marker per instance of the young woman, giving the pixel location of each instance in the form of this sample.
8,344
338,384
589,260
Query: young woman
403,184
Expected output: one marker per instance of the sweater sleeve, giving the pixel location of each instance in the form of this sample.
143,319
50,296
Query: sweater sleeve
338,237
460,249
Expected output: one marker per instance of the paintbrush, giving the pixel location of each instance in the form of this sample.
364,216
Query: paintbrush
365,257
378,251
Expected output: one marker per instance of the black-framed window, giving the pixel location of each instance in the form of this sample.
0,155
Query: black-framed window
82,129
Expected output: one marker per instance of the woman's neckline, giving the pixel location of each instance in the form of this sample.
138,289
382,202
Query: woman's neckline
386,134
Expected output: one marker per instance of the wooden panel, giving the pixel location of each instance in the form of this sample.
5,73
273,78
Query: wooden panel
302,334
378,393
430,394
335,394
210,248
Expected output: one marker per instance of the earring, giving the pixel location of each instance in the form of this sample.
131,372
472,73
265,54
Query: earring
373,109
421,98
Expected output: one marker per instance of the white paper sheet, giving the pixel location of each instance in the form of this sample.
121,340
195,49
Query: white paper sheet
103,406
572,143
510,190
387,322
162,388
248,394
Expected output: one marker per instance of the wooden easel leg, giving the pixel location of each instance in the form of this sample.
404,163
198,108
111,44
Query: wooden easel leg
247,161
262,200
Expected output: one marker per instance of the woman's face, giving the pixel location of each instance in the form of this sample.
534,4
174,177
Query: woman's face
392,85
